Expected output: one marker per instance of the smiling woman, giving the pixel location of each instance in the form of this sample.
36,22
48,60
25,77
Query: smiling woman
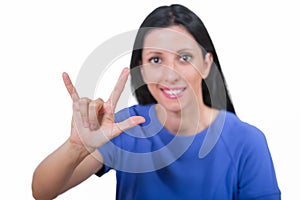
173,69
172,65
182,141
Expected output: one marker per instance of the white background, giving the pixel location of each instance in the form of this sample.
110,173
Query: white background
257,44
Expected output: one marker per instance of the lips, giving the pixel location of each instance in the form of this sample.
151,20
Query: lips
173,93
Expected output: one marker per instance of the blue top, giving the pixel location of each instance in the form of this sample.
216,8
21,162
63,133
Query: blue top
228,160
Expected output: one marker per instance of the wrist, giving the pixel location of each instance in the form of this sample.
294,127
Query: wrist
79,149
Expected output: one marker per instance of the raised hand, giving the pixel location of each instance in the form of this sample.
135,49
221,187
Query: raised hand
93,120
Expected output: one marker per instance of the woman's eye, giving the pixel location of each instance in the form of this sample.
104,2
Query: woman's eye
185,58
155,60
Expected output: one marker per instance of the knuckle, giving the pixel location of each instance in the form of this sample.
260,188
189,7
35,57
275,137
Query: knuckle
84,100
93,105
96,103
119,127
100,101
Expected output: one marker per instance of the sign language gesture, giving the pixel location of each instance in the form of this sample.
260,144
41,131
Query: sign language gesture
93,120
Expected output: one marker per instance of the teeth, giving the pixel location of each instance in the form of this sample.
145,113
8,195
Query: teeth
173,92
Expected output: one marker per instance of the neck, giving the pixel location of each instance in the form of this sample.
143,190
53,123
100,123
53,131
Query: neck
187,121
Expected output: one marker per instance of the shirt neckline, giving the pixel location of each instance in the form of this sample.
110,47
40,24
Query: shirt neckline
154,117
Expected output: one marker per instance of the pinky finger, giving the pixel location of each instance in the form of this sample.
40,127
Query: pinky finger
70,87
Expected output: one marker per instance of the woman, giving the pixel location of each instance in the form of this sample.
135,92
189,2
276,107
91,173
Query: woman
182,141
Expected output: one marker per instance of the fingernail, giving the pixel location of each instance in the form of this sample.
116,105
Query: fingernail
126,70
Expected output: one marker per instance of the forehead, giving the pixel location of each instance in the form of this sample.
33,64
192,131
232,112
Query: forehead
174,38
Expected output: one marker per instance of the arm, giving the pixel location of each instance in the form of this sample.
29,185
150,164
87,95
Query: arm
65,168
88,167
77,159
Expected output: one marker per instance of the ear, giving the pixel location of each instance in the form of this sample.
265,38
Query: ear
208,60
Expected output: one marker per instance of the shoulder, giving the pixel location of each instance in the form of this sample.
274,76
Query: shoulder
242,139
235,128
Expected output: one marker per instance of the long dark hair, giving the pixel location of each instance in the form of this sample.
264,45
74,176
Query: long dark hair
214,89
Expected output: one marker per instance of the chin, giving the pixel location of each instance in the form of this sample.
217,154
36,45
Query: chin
173,107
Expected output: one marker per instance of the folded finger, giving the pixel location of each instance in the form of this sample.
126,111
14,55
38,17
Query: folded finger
76,115
94,109
84,108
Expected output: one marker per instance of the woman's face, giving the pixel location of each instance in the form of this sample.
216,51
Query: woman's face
173,67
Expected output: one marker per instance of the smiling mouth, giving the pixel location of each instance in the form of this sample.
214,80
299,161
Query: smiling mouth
173,93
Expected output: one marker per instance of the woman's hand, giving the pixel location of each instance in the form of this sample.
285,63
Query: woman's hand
93,120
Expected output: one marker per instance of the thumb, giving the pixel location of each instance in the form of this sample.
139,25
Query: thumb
127,124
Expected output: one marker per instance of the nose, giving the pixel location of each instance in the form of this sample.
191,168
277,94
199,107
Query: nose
171,75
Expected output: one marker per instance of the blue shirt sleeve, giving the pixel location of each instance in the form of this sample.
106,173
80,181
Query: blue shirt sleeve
107,153
256,174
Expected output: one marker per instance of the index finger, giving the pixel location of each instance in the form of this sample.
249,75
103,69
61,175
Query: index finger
70,87
119,87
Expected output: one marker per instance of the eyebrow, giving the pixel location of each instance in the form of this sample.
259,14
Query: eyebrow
185,49
153,52
158,51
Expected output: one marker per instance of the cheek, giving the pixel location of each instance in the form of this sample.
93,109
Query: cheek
198,66
193,79
151,88
151,75
154,91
